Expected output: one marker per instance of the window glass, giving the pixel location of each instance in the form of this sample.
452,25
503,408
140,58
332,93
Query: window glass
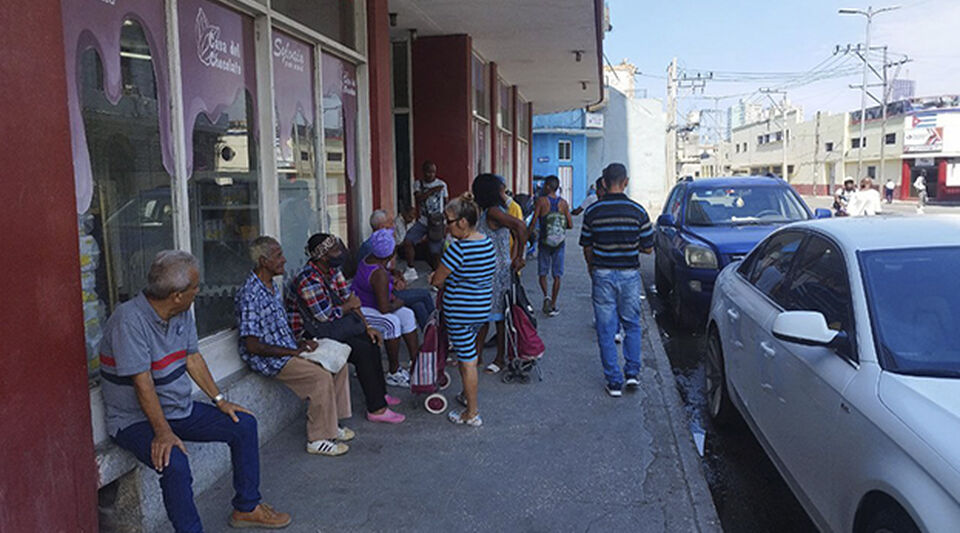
340,144
820,283
129,217
523,120
774,263
743,206
219,94
401,92
523,166
333,18
481,148
505,159
481,100
293,83
505,113
673,202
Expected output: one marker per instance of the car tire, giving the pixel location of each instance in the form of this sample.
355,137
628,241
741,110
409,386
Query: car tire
719,407
890,520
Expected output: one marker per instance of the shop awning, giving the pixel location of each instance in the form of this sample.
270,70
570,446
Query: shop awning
534,43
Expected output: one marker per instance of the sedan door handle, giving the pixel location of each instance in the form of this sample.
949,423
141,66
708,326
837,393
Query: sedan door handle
767,349
733,314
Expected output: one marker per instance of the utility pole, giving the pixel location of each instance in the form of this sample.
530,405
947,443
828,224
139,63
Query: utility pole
869,14
671,124
816,155
783,125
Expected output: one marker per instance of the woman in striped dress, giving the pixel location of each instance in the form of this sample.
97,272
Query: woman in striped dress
466,275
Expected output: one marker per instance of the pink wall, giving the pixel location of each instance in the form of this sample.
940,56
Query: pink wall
381,112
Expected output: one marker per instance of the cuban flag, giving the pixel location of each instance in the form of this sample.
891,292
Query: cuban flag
925,120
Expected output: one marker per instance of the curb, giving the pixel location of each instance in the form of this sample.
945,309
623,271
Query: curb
705,514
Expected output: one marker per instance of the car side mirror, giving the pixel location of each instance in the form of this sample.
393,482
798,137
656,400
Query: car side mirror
666,220
821,212
803,327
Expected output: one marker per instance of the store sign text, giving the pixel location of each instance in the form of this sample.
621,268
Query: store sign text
289,57
211,49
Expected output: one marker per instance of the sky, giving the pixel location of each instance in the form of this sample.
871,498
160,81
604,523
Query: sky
762,36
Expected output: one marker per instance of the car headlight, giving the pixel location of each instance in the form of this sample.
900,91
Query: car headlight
700,257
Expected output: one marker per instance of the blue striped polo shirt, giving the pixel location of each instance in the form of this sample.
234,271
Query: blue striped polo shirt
616,228
468,290
135,340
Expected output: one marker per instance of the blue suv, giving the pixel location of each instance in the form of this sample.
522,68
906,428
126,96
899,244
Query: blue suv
709,223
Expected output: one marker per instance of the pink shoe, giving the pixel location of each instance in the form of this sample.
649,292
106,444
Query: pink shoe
392,400
387,416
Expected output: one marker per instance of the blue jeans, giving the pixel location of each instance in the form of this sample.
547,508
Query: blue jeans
616,301
420,301
205,424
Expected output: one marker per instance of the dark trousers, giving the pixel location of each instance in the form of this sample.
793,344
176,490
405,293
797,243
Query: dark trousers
365,357
205,424
420,301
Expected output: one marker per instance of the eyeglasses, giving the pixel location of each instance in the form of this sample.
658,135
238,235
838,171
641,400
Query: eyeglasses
448,221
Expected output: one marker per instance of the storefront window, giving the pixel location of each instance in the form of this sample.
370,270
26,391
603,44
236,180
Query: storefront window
523,120
523,166
481,100
340,144
333,18
119,119
505,157
219,95
505,113
481,146
293,84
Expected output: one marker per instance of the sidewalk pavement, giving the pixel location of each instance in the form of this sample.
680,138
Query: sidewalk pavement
556,455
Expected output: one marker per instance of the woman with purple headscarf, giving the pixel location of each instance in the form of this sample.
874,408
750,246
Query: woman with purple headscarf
385,312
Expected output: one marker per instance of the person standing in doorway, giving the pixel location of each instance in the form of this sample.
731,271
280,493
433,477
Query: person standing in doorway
431,194
920,184
616,230
553,214
888,189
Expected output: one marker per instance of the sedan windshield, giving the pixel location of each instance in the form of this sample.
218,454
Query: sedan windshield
914,300
743,205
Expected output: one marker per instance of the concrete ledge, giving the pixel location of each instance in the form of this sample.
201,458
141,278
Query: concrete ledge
706,514
275,407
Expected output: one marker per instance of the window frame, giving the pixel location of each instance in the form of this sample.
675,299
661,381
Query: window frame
749,263
569,144
890,139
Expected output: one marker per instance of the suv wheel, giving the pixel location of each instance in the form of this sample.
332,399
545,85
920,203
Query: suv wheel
890,520
720,408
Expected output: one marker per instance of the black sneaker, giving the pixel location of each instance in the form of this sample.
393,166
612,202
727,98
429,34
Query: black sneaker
632,382
615,389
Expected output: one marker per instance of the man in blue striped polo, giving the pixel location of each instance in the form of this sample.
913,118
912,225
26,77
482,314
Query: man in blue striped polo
616,230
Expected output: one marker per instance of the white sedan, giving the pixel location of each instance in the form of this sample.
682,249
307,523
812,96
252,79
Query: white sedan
838,341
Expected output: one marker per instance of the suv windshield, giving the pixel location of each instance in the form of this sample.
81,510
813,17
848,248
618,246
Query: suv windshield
743,205
914,299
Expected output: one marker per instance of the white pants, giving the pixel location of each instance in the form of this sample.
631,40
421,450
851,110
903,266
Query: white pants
391,325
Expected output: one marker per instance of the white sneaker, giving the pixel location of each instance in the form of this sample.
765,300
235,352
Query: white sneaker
327,447
618,338
410,274
397,379
405,372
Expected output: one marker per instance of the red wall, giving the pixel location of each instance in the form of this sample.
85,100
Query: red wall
442,107
48,479
381,111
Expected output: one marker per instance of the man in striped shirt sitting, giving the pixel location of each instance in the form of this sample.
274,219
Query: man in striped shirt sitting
616,230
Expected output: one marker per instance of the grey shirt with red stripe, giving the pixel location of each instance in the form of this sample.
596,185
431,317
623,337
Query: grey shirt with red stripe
135,340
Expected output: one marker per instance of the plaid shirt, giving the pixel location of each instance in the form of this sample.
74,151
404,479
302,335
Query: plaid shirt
313,288
259,313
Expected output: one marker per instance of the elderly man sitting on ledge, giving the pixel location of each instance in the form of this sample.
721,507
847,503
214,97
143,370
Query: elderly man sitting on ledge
149,349
269,348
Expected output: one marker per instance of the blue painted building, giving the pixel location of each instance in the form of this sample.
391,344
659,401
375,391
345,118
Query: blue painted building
560,148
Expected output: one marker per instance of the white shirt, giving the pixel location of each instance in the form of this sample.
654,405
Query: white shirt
920,184
890,185
865,202
436,202
588,201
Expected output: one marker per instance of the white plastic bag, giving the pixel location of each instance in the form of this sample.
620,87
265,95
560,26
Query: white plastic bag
330,354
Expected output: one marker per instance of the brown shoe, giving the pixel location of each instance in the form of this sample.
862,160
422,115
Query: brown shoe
262,516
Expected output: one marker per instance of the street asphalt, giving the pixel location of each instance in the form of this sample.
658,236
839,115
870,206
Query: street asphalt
556,455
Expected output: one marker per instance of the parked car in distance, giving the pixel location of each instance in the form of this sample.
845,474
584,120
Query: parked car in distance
838,343
709,222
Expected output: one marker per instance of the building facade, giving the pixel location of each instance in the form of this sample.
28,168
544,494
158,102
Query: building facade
560,149
200,124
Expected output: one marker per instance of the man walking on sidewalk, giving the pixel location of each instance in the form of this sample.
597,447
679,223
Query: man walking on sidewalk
553,214
616,230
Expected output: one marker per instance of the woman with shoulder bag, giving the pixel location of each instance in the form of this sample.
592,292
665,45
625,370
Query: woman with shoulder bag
320,305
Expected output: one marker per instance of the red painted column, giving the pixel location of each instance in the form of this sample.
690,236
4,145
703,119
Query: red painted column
494,114
529,183
381,113
48,477
942,179
905,181
443,107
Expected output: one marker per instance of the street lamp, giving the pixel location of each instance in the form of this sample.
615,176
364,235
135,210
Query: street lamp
869,14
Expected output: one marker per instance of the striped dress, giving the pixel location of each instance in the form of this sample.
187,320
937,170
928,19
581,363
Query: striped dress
467,292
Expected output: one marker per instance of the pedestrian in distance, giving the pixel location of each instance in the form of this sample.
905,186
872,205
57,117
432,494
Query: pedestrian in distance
616,230
553,215
866,201
888,189
465,276
920,184
841,198
592,196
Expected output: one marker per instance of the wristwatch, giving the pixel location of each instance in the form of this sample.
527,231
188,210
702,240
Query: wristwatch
218,398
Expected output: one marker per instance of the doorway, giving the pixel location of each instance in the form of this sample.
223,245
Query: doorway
565,173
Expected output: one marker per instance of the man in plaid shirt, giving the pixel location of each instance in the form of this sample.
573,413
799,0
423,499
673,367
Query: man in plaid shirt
321,290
